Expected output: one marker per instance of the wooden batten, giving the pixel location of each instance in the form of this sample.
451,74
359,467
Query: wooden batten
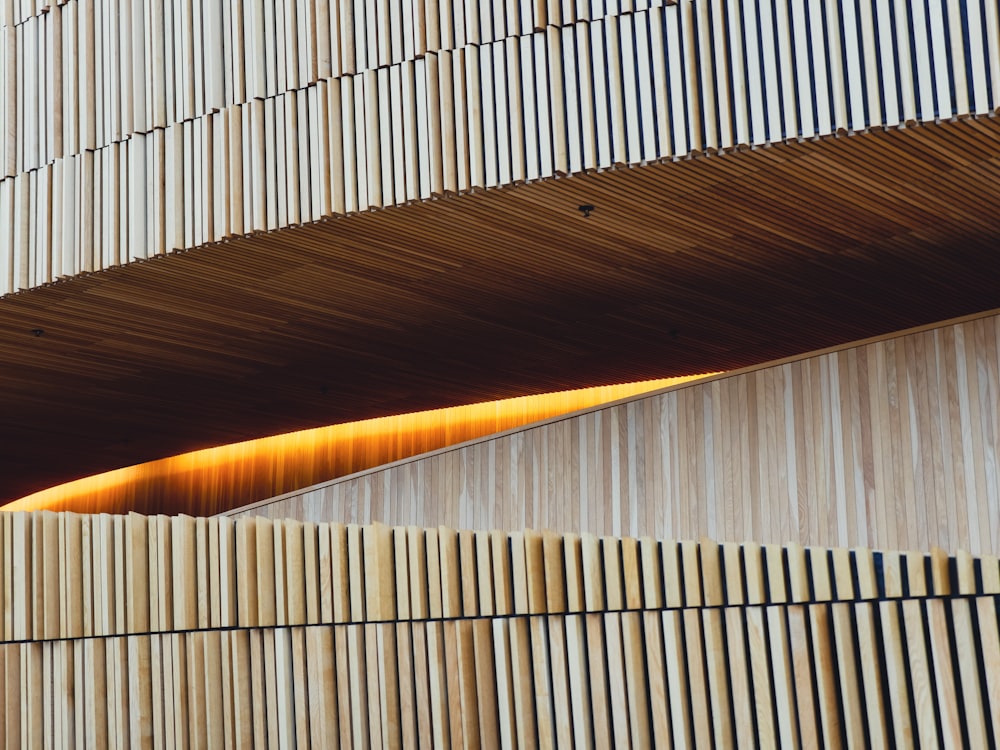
633,666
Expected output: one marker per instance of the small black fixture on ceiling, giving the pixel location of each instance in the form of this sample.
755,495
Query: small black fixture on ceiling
585,209
36,332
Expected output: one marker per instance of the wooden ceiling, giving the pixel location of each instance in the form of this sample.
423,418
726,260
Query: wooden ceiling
711,263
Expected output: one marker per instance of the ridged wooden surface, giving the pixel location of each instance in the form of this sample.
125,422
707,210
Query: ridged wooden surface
705,264
891,444
130,130
159,631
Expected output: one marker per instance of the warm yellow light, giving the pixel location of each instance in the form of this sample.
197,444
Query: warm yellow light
217,479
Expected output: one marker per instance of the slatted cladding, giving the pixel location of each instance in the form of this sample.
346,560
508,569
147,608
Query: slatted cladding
888,444
742,645
434,98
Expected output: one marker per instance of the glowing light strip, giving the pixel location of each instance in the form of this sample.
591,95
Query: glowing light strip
212,480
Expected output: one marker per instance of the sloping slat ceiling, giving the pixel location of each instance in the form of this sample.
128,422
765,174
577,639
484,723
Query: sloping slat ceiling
708,264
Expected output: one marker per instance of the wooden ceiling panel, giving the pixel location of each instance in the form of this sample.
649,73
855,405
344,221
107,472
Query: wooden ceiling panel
712,263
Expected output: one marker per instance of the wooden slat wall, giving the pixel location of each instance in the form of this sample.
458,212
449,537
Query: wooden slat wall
174,631
891,444
131,129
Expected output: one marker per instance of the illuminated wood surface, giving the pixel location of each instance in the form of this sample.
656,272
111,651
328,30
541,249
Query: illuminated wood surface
133,130
263,136
891,443
691,266
220,479
173,630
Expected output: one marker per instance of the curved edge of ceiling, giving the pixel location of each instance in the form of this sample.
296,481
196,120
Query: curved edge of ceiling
227,477
682,383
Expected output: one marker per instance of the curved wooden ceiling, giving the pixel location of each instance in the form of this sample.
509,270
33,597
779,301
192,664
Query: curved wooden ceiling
214,480
706,264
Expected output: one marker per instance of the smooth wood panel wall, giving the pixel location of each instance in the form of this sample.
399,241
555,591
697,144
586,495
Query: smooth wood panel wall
891,444
259,633
134,129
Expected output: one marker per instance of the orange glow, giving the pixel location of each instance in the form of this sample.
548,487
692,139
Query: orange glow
217,479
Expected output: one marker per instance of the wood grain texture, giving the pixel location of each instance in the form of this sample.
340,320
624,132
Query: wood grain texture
83,78
192,349
867,233
887,444
637,671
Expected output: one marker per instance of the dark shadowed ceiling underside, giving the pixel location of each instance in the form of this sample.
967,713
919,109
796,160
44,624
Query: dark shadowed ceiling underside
711,263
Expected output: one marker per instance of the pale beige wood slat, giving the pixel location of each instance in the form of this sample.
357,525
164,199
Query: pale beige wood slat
246,561
455,683
485,677
896,672
850,681
468,573
678,686
534,571
9,601
743,704
501,553
507,717
136,556
355,574
214,678
599,688
358,676
616,681
12,698
485,589
451,573
408,705
869,648
732,676
754,573
389,700
944,686
184,584
579,683
989,635
257,680
290,573
267,592
417,567
990,568
920,666
593,581
379,573
438,698
433,574
784,679
971,709
198,726
426,723
824,658
311,563
559,681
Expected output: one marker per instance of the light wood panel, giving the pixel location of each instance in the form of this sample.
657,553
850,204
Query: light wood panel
69,575
481,97
887,444
852,657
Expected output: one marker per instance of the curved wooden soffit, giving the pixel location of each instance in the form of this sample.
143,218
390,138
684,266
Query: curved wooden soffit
217,479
